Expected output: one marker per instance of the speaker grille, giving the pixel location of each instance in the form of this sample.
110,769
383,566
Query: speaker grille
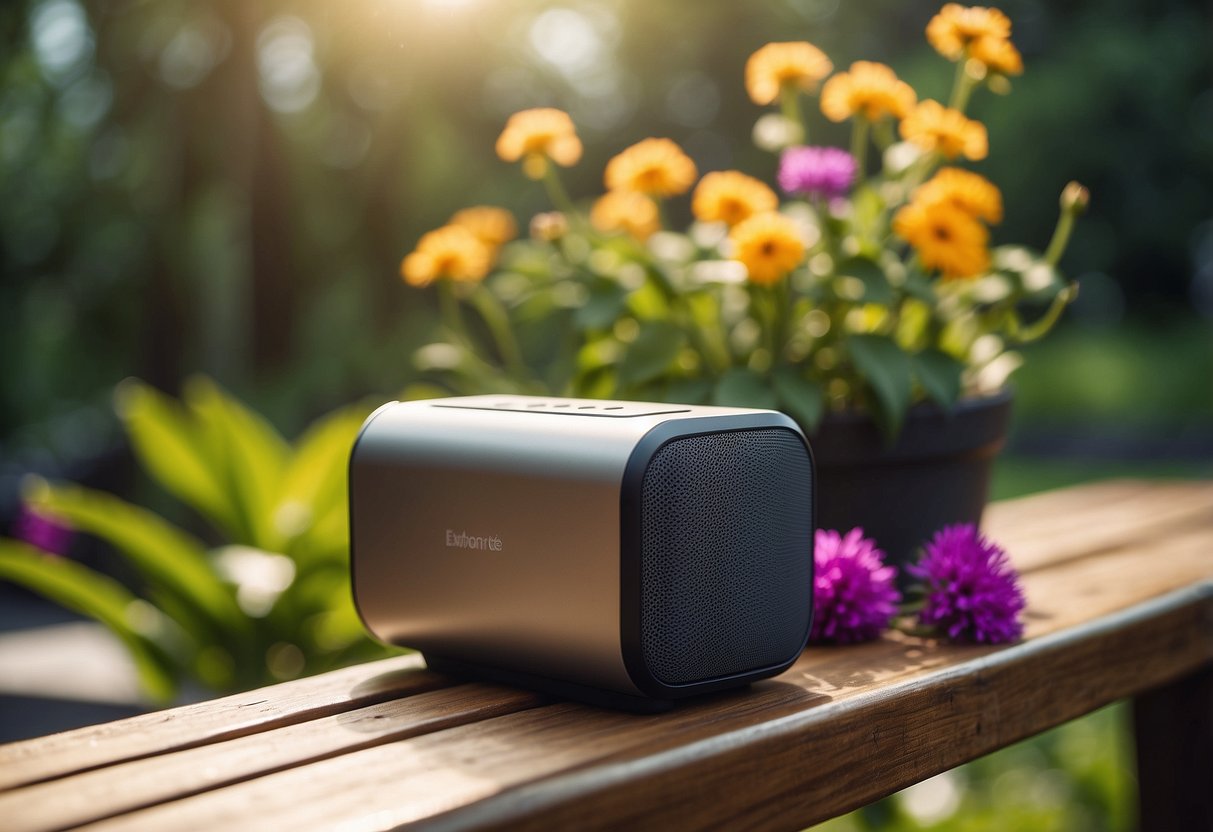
726,564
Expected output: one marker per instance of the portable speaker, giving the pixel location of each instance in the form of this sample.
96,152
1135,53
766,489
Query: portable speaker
624,553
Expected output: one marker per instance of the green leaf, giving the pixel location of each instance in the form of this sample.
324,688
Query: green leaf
804,400
653,351
688,390
876,288
171,448
315,479
742,387
886,369
166,557
100,597
253,456
918,285
939,374
605,304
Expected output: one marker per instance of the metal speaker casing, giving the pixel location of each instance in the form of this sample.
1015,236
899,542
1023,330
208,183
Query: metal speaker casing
619,552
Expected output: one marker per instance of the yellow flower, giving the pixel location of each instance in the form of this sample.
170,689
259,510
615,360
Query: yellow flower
869,89
800,65
535,136
628,211
451,252
493,226
947,239
768,245
957,27
998,54
656,167
933,126
968,191
730,196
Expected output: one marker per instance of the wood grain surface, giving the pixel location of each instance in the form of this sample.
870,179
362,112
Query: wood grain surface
1119,580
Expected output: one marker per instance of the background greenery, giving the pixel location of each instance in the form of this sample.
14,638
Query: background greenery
227,187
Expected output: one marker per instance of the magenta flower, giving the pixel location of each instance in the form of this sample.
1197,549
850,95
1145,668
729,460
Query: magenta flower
824,172
46,533
972,591
853,594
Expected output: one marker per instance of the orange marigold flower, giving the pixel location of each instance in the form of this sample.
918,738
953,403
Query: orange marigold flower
729,196
968,191
537,136
451,253
946,238
628,211
800,65
932,126
956,27
493,226
768,245
869,89
656,167
998,54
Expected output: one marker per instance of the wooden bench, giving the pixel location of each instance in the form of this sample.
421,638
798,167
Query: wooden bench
1119,580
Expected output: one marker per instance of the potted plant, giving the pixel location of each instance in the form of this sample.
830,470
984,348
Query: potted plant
858,292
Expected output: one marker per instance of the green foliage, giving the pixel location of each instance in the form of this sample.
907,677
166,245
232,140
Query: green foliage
877,297
271,602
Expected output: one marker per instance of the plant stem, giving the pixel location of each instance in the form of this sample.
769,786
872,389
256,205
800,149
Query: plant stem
1061,237
448,306
962,86
497,320
556,192
1041,327
859,143
789,105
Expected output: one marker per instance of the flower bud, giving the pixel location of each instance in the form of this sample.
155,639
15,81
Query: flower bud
1075,198
549,227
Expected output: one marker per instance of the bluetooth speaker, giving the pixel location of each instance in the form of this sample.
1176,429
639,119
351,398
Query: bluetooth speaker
623,553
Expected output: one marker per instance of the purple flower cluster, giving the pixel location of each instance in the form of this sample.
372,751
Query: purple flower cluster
46,533
972,591
853,594
824,172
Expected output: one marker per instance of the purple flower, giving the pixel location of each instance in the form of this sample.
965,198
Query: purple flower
972,591
853,593
824,172
48,534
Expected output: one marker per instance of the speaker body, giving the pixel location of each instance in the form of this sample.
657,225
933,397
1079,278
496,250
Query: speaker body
620,552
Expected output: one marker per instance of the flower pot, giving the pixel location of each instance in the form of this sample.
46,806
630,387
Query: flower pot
936,473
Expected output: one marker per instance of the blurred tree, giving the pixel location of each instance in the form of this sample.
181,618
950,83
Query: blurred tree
227,186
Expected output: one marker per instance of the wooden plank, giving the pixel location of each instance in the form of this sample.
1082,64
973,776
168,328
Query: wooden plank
899,681
776,757
31,761
108,791
516,761
1046,529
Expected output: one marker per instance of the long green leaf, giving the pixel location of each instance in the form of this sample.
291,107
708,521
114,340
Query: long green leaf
876,288
801,398
315,479
97,596
170,446
168,558
940,376
252,453
886,369
742,387
654,350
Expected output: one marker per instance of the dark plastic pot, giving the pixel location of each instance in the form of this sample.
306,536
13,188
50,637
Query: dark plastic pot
936,473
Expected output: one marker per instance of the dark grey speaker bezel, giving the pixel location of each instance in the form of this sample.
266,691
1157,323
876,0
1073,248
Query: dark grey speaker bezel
630,544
